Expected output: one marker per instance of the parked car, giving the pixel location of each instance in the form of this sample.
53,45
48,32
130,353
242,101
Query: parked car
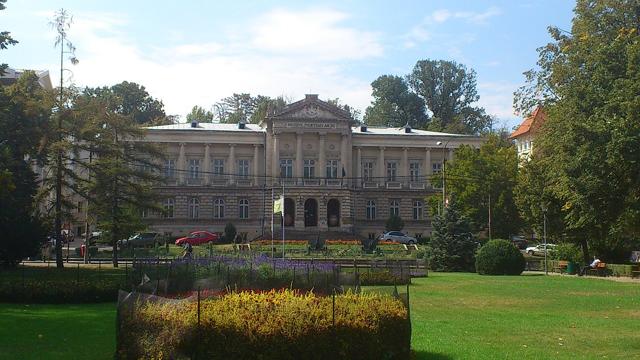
520,242
539,249
197,238
140,240
398,237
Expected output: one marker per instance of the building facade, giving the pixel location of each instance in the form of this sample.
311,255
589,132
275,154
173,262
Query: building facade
335,176
524,136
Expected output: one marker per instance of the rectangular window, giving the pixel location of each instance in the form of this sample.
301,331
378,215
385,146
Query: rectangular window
394,208
243,167
169,205
194,208
286,168
414,171
418,209
371,210
437,167
392,171
169,168
243,209
218,167
194,168
79,207
309,169
367,170
332,169
218,208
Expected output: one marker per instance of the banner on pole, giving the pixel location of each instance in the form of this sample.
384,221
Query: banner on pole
278,205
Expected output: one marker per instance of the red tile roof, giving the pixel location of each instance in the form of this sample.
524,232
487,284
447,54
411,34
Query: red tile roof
531,123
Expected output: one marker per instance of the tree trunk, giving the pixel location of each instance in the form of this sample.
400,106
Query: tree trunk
58,211
115,249
585,251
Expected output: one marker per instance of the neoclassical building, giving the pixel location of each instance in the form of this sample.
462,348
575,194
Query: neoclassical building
335,176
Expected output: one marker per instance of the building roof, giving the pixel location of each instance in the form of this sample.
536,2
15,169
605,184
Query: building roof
10,76
531,123
356,130
209,127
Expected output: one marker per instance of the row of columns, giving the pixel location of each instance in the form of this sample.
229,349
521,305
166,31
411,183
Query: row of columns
230,167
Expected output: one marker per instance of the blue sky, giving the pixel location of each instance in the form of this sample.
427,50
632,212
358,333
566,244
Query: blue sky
196,52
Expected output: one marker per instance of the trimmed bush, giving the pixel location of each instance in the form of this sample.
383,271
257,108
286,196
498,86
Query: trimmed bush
269,325
394,223
230,233
499,257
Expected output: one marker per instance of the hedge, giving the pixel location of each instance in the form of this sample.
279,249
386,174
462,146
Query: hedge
280,324
499,257
58,292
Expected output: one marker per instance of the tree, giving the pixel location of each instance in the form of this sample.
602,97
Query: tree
5,39
394,104
588,81
247,108
199,114
134,101
125,169
353,112
482,181
452,246
448,90
24,113
394,223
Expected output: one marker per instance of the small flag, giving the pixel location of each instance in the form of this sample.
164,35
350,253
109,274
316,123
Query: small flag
278,205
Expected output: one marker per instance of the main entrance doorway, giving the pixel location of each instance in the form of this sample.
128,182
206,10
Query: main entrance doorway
289,212
310,213
333,213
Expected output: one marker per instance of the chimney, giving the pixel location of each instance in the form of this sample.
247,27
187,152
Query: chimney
363,128
241,124
310,97
194,124
407,128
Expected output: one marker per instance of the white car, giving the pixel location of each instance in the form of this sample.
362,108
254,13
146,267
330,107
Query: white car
539,249
398,237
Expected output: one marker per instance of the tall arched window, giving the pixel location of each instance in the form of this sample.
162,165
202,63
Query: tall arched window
394,208
194,208
371,210
418,206
243,208
218,208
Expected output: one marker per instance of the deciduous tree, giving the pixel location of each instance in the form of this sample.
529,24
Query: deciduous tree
394,104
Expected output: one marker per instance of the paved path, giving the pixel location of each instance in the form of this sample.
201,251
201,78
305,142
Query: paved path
610,278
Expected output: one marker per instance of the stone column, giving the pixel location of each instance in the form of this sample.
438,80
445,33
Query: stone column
232,163
428,169
322,172
255,170
344,157
381,167
359,167
275,163
450,155
207,164
299,157
405,165
182,166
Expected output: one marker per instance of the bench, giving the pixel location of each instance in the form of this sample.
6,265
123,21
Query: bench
635,272
561,266
600,269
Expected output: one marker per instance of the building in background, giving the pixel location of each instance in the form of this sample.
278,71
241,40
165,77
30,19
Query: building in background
335,176
524,136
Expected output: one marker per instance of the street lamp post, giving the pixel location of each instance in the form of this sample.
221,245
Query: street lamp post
544,237
444,180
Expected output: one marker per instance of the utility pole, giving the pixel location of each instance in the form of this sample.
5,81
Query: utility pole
544,237
489,216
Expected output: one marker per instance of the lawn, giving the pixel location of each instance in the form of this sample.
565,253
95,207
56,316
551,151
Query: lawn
454,316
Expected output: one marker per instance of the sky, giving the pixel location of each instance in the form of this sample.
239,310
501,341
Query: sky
194,52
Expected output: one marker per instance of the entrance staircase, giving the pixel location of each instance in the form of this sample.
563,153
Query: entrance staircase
311,234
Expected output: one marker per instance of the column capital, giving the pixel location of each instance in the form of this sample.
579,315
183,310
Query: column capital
322,133
381,148
257,145
405,149
299,132
232,145
181,144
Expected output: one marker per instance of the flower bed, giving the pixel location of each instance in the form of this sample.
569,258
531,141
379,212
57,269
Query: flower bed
277,242
266,325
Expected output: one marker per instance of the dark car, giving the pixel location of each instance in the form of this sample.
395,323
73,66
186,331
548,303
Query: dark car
140,240
520,242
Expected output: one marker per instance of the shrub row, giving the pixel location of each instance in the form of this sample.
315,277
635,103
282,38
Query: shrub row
499,257
268,325
58,292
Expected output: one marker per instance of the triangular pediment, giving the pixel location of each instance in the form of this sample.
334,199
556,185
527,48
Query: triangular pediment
311,108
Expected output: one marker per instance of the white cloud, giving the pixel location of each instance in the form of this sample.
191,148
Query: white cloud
287,53
424,31
497,99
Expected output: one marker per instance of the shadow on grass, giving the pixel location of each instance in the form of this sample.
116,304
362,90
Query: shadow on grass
426,355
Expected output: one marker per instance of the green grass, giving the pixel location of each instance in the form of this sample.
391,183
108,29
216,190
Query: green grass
454,316
57,331
464,316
